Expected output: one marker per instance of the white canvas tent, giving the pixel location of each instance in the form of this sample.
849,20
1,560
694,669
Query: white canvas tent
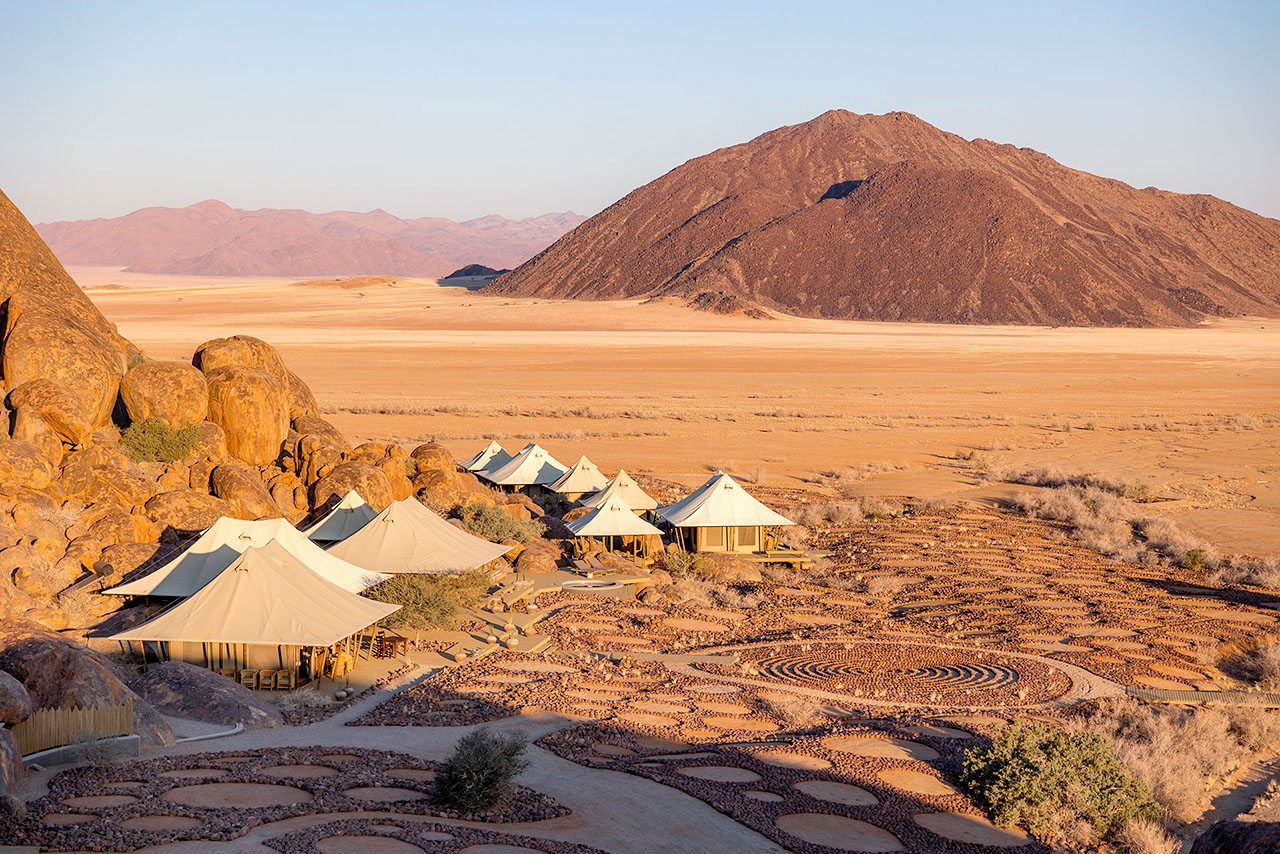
615,525
492,455
582,478
721,517
533,466
349,515
622,486
224,541
408,537
259,612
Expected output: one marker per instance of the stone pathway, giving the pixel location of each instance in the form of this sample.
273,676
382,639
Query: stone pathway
612,810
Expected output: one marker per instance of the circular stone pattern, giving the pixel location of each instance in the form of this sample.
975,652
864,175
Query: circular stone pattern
161,822
970,828
888,748
838,832
194,774
720,773
97,801
916,783
300,771
837,793
798,761
242,795
911,673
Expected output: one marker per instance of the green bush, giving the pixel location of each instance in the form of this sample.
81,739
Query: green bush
480,770
1039,777
430,601
495,524
153,442
684,565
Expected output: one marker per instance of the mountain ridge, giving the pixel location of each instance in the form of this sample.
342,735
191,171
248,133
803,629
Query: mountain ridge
212,238
793,220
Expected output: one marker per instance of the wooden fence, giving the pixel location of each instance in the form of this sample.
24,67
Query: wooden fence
48,728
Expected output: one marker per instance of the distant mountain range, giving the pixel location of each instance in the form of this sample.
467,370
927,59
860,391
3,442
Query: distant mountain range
214,239
889,218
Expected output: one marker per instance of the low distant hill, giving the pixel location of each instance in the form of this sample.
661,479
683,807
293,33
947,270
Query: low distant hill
889,218
475,271
214,239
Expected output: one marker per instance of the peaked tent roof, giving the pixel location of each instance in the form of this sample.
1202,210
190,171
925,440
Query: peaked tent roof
583,476
266,596
611,518
720,501
492,456
532,465
622,486
224,541
408,537
350,515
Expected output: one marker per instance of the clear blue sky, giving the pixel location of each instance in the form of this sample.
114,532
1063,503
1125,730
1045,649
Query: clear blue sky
469,108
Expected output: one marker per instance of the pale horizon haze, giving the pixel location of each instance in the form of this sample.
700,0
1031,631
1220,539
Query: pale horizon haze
459,111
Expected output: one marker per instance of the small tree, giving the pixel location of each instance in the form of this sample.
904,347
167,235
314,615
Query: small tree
429,601
481,770
495,524
1034,775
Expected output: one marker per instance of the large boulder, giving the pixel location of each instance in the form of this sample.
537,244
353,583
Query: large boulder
369,481
392,460
727,568
242,351
1239,837
210,444
187,512
32,573
172,392
124,558
242,488
29,426
59,672
315,457
314,425
447,488
186,691
301,401
15,702
10,767
23,466
125,485
432,456
60,408
249,405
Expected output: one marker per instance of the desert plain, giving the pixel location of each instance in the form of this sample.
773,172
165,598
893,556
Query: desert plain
819,407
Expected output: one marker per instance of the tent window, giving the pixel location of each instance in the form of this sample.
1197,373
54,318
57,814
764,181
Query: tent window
747,537
712,538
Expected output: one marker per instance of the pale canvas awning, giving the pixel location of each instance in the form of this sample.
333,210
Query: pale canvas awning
224,541
582,477
622,486
350,515
720,502
408,537
493,455
612,518
533,465
266,596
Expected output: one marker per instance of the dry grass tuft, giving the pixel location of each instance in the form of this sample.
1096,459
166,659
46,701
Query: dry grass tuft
795,711
1142,836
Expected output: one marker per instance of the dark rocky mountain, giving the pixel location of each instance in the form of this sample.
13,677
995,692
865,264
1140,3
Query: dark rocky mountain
475,270
889,218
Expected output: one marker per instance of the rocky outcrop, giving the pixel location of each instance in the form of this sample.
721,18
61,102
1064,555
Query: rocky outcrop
242,488
15,702
1239,837
172,392
250,407
187,512
186,691
369,481
23,466
56,405
302,402
59,672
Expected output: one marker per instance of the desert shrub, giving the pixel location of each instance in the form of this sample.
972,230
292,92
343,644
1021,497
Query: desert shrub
1053,477
430,601
1143,836
153,442
682,564
410,467
1182,753
1040,777
481,770
877,508
692,591
497,525
1260,666
1259,572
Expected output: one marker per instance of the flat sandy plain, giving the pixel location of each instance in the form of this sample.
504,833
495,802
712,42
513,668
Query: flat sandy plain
662,389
